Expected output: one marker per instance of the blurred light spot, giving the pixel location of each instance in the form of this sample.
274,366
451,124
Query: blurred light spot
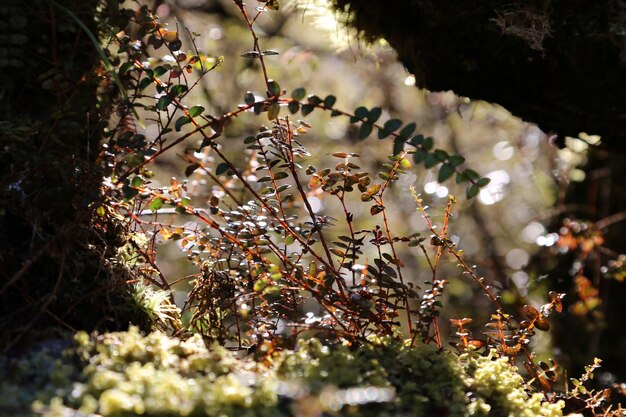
520,279
494,191
215,33
334,399
316,204
503,150
533,231
442,191
547,240
163,10
517,258
430,187
410,80
335,129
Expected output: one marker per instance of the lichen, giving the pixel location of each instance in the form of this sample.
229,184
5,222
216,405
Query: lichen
130,374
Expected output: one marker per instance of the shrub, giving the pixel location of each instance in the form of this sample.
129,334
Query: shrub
324,306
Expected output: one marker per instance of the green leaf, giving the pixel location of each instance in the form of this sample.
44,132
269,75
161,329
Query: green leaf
129,192
382,133
248,98
156,204
144,83
289,240
472,190
471,174
160,70
374,114
260,284
366,197
428,143
445,172
335,113
281,175
419,156
375,209
441,155
483,182
408,130
329,101
163,102
221,168
137,181
273,110
405,163
392,125
456,160
365,130
251,54
361,113
398,145
179,89
293,107
430,160
195,111
273,88
190,169
374,189
180,122
417,140
306,109
313,99
298,93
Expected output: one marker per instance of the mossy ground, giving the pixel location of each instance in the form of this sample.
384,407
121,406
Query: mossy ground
130,374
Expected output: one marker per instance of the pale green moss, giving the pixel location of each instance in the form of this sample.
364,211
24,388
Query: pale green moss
129,374
500,387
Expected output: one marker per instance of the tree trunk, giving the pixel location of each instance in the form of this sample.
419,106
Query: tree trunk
51,256
558,63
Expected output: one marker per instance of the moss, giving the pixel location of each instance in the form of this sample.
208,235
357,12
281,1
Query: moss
500,387
129,374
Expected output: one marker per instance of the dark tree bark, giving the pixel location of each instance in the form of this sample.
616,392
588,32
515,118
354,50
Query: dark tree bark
51,256
558,63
